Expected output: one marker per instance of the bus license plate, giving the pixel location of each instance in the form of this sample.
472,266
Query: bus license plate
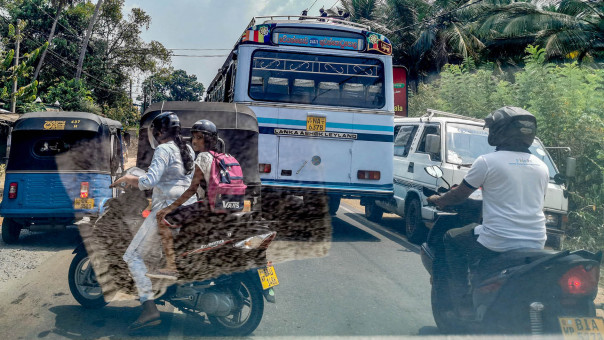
315,123
582,328
83,203
268,277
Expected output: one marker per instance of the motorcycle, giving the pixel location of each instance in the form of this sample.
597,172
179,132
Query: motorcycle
523,291
223,271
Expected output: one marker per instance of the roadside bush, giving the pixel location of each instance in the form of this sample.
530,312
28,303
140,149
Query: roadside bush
568,101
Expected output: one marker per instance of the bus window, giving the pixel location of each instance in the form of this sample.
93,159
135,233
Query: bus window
277,86
318,79
353,91
257,85
304,89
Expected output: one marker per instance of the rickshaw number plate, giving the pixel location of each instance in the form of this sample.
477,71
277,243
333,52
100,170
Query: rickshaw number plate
315,123
83,203
582,328
268,277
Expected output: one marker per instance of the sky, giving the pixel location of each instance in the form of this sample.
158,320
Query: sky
210,24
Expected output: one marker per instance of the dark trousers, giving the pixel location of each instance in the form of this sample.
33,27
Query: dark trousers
461,250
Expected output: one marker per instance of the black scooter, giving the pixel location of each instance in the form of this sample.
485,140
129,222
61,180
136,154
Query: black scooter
517,292
223,271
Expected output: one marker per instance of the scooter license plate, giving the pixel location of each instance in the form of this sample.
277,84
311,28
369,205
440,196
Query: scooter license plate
83,203
582,328
268,277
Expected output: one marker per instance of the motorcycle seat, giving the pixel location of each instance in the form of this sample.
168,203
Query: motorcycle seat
512,258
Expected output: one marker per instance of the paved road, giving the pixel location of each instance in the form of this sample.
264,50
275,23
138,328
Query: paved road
370,284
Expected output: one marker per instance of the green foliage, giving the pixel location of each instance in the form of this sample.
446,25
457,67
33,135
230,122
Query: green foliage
71,94
173,85
567,100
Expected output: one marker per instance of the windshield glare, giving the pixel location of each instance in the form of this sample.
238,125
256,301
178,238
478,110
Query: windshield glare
466,142
317,79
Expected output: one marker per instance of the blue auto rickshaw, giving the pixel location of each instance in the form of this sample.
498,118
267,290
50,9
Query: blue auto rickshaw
59,169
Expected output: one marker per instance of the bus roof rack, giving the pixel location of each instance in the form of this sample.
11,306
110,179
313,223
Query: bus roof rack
431,113
274,19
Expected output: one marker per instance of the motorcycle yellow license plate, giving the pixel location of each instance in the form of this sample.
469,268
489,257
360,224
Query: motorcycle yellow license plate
582,328
268,277
83,203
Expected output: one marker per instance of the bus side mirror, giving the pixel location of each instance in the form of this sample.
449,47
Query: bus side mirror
571,167
433,144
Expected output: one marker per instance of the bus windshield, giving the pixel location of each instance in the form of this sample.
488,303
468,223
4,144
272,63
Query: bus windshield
466,142
317,79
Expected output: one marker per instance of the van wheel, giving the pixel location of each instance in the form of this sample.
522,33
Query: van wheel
373,212
10,231
414,227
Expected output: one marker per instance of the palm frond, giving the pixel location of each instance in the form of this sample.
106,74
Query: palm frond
561,43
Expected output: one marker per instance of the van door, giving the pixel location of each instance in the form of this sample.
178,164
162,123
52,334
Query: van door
403,139
419,158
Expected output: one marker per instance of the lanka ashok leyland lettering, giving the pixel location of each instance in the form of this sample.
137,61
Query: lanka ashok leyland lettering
322,91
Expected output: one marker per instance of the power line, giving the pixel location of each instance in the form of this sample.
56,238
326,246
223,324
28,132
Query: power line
200,56
199,49
69,30
311,6
334,4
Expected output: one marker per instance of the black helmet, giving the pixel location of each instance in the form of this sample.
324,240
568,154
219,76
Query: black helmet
511,126
209,130
164,125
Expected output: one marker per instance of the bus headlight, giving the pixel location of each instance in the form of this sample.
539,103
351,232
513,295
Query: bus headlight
552,220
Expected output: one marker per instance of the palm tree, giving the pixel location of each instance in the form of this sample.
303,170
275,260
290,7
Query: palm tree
87,38
59,5
572,28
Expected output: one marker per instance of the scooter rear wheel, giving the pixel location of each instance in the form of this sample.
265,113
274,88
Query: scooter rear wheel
83,284
246,317
443,313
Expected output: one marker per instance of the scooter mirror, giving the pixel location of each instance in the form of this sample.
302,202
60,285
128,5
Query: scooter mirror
434,171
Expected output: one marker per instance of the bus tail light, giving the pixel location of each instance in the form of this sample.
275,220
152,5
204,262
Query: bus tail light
12,190
264,168
84,189
367,174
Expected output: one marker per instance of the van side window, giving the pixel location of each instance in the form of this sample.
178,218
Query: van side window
429,130
403,138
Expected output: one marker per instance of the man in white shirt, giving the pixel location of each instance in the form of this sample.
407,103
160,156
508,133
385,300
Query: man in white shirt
513,183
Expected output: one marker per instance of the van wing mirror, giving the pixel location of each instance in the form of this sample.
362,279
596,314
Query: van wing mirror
433,144
571,167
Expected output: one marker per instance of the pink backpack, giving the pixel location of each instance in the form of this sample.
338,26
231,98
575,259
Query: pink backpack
226,189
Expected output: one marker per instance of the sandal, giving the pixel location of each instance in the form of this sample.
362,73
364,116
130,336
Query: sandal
136,325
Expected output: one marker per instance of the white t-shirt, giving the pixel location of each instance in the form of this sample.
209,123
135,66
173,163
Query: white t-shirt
513,190
204,162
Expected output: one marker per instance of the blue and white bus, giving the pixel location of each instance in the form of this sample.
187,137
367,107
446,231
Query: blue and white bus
322,91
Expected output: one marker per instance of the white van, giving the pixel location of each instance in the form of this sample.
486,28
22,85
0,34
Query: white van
452,142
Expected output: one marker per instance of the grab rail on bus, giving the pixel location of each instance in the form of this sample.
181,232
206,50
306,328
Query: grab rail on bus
298,18
431,113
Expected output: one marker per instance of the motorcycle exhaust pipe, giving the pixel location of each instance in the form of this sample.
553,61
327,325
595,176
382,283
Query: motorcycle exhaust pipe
216,304
536,317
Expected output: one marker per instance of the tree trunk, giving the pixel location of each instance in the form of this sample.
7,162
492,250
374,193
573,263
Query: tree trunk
87,38
50,37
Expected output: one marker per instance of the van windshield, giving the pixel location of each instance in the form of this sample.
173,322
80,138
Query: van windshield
466,142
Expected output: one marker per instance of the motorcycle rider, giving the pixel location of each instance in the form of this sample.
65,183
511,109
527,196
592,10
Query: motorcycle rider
513,183
204,138
169,175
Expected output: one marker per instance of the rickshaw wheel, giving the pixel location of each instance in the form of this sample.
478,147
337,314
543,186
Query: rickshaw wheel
10,231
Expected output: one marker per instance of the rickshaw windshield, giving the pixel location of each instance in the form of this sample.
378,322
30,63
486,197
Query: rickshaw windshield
59,151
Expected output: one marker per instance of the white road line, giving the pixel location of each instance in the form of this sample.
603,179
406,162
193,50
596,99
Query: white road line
377,226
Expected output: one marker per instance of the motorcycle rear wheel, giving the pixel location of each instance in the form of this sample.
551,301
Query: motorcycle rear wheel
442,313
83,284
248,312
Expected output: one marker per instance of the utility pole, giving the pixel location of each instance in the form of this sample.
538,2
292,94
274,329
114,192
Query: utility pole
131,99
13,104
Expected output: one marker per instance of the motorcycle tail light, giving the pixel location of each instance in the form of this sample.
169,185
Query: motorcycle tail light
12,190
580,280
84,189
368,174
146,213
